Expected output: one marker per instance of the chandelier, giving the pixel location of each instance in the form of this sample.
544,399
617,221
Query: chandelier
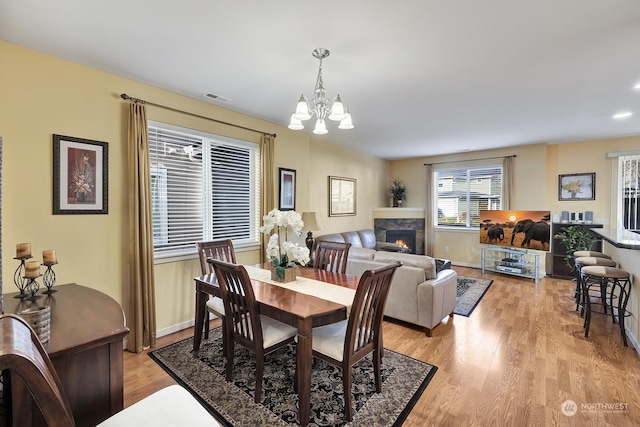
320,105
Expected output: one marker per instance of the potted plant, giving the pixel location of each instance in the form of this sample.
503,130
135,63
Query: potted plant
398,191
575,238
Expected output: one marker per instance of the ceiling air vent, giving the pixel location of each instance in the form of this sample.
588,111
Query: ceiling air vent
217,98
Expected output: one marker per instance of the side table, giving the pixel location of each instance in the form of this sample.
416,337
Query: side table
86,348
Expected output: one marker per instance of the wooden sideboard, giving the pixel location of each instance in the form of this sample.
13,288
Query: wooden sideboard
86,348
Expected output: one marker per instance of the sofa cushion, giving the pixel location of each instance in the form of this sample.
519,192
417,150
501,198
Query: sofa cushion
335,237
353,238
367,238
428,264
362,253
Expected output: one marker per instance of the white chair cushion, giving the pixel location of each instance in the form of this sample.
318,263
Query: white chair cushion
274,332
329,339
173,406
216,306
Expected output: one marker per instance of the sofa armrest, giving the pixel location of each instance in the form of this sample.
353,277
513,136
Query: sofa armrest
388,247
437,298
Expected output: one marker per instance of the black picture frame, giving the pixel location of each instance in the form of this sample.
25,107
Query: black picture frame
287,189
577,186
342,196
80,176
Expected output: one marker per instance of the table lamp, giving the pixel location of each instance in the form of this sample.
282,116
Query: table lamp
310,223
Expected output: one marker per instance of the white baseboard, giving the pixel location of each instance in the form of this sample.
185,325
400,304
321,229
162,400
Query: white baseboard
634,342
174,328
178,327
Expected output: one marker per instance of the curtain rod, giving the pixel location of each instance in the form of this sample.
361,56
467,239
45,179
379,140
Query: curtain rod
127,97
470,160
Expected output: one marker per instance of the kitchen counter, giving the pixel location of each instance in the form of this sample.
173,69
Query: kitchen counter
624,239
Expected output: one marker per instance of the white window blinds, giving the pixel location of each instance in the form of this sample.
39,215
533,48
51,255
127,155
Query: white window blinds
204,187
629,167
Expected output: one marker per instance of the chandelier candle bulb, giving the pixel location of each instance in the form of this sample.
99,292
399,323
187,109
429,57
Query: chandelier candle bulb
32,269
49,257
23,250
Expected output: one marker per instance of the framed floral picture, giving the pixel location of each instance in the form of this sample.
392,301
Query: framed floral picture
80,176
577,186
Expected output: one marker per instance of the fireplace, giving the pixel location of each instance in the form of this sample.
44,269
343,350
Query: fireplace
413,227
406,238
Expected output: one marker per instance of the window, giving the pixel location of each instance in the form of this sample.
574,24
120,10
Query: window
203,187
462,193
629,180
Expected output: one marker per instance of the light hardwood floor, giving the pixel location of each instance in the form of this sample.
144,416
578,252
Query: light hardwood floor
520,355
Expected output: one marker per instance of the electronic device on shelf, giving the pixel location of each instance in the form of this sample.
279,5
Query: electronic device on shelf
511,269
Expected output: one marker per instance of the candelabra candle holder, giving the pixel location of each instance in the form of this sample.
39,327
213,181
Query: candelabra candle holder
18,277
49,278
31,289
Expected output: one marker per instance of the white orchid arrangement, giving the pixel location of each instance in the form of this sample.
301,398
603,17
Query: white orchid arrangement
282,253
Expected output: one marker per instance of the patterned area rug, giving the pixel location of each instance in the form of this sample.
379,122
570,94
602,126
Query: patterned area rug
403,381
470,292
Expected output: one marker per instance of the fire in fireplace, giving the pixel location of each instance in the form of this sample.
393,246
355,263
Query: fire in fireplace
406,238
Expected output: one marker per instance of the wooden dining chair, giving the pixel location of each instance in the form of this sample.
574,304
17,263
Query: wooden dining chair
331,256
344,343
244,325
216,249
22,355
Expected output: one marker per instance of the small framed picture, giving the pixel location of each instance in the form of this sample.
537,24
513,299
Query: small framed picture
287,189
577,186
342,196
80,176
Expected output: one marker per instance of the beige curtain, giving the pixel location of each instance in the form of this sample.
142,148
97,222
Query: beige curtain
429,233
507,182
268,187
142,311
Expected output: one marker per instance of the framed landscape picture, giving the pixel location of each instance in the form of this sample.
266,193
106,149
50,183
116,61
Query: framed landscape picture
577,186
80,176
342,196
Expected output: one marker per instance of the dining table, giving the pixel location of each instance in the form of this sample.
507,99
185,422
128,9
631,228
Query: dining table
316,298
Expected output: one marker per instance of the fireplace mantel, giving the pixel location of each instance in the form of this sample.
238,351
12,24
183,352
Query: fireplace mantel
398,213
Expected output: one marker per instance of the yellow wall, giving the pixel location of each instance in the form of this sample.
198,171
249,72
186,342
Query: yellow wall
44,95
536,170
462,246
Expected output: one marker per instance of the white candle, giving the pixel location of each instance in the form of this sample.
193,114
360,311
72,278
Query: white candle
49,256
23,250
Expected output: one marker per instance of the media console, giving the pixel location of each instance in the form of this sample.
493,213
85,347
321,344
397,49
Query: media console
517,262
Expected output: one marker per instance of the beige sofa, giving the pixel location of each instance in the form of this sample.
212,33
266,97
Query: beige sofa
422,291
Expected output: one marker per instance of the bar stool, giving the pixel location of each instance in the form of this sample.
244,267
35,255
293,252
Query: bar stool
614,283
578,254
587,261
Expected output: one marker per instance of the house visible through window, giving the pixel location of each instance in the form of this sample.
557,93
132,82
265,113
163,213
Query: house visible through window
203,187
629,181
462,193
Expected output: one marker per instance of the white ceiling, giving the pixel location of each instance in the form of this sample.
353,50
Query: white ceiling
421,77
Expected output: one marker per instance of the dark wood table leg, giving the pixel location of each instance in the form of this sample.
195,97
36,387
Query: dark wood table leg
304,354
201,303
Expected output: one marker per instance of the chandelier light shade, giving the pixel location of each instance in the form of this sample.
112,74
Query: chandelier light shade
320,106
